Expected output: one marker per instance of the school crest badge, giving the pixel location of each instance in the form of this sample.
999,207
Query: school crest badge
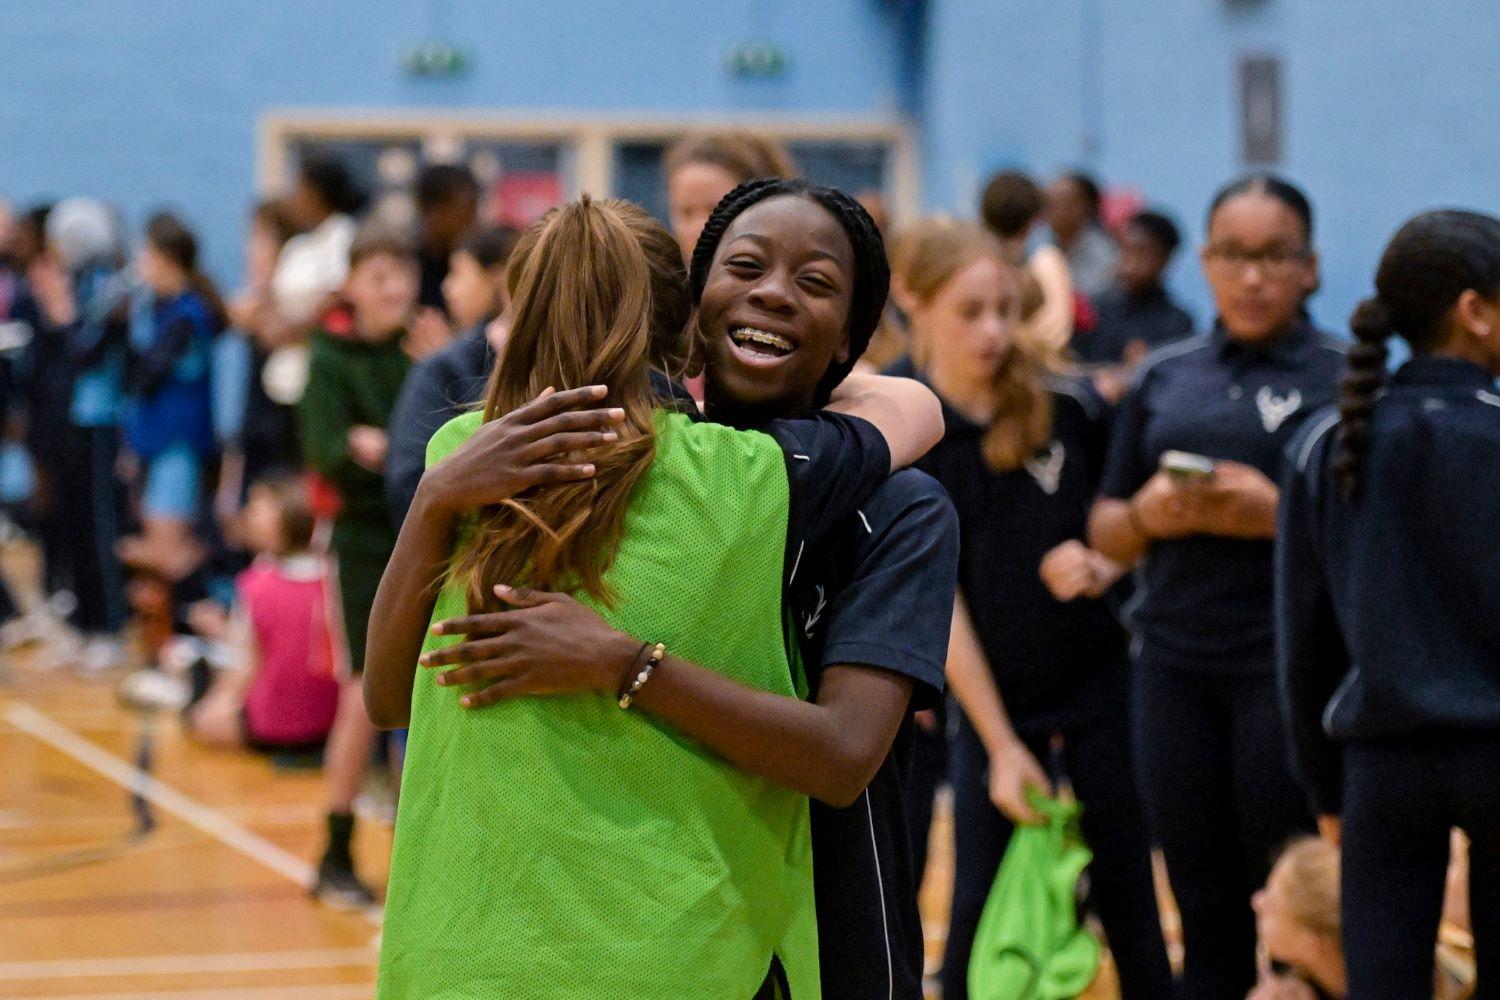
1275,409
1046,467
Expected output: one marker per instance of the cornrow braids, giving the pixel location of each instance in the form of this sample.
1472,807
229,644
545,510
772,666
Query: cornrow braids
872,271
1432,260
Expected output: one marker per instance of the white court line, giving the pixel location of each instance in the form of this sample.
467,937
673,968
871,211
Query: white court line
341,992
169,965
163,796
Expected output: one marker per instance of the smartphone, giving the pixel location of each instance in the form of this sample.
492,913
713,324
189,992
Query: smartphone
1184,465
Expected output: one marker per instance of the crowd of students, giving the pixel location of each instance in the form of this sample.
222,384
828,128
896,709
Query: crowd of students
512,491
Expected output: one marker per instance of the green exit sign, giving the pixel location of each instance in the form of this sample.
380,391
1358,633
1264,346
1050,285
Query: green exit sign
758,59
432,59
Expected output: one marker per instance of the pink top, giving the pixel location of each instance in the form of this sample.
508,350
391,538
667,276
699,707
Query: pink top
294,695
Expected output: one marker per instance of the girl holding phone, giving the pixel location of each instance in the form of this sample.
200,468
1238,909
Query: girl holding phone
1210,739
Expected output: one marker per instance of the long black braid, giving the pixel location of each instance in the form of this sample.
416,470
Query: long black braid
872,271
1432,260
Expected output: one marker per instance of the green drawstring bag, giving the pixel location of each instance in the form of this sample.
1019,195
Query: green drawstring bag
1029,945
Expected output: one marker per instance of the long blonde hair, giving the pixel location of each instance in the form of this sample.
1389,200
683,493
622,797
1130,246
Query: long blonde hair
924,259
581,314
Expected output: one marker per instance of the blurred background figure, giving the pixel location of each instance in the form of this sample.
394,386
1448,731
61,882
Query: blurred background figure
1074,204
1299,920
1136,314
344,424
170,425
83,307
703,168
278,690
1011,207
447,198
257,434
312,265
439,388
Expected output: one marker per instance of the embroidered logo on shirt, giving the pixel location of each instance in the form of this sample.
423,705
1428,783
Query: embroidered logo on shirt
1275,409
817,613
1046,467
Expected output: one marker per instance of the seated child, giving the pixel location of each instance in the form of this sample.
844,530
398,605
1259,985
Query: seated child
279,691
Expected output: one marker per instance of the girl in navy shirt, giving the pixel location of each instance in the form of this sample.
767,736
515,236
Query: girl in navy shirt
1215,773
1036,659
1387,585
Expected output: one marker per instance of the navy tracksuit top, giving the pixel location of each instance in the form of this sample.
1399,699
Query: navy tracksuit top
1388,607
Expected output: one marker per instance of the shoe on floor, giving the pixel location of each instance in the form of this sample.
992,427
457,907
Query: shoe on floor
153,690
101,654
339,888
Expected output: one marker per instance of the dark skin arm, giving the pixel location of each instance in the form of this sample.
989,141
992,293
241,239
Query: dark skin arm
530,446
548,643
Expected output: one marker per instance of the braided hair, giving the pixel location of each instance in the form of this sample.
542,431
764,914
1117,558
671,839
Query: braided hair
1432,260
872,272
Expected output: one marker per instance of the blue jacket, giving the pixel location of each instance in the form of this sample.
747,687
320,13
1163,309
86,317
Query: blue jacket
97,345
1386,607
171,396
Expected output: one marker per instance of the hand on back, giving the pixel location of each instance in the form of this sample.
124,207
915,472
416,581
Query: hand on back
530,446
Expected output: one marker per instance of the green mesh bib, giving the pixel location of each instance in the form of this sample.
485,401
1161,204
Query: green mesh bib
560,847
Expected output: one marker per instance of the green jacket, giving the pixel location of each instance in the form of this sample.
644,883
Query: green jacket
351,382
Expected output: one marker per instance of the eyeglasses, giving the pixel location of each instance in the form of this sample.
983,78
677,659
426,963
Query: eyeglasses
1276,262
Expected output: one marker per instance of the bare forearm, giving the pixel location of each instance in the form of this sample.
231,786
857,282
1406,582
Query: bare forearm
1250,516
828,750
403,609
1112,532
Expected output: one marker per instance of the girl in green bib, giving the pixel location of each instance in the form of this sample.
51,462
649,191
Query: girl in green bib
573,848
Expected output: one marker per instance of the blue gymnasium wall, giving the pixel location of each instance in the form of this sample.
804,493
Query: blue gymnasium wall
151,102
1388,106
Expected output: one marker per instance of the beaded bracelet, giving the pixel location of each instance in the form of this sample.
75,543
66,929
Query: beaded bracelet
658,653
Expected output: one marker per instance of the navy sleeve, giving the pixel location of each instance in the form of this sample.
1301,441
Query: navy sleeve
154,366
896,610
1126,468
421,409
1311,659
834,462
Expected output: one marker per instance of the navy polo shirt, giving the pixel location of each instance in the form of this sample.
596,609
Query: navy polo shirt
1042,651
1386,606
1122,318
1204,602
877,593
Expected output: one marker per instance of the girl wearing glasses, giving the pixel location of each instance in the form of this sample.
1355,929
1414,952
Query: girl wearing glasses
1188,494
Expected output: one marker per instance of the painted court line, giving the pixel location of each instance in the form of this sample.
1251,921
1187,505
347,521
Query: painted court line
168,965
32,722
340,992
